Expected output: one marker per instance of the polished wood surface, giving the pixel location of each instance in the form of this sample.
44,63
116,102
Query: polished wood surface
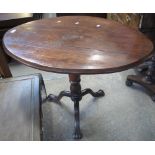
10,20
77,45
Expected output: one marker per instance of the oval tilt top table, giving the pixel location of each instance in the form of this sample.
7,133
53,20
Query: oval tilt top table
77,45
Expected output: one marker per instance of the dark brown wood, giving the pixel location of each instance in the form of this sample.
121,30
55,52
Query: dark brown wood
4,68
141,80
76,95
147,80
75,89
10,20
148,28
77,45
146,76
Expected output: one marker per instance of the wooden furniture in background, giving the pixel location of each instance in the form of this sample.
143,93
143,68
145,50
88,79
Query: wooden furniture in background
20,106
4,68
148,28
146,71
77,45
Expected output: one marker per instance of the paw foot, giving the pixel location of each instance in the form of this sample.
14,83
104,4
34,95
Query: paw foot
129,83
153,98
100,93
77,135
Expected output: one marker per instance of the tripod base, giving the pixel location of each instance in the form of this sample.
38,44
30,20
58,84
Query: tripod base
76,95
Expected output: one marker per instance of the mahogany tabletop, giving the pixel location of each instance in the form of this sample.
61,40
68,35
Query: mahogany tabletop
77,45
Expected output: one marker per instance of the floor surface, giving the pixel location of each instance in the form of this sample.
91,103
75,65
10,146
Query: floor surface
124,113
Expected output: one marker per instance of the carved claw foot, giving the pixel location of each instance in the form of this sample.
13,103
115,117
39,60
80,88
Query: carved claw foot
129,83
51,98
153,98
77,135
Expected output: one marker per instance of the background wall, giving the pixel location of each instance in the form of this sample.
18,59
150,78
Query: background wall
49,15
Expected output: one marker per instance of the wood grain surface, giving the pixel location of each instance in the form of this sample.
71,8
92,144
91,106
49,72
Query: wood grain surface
77,45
